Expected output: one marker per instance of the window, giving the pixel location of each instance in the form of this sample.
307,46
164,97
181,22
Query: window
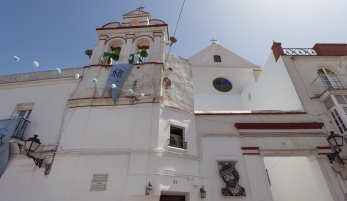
24,113
217,58
329,103
338,121
345,109
222,85
177,138
329,78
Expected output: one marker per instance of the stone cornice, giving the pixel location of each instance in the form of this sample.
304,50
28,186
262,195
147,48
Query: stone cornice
42,82
121,101
124,31
282,134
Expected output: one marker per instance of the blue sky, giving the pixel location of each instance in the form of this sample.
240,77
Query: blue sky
56,33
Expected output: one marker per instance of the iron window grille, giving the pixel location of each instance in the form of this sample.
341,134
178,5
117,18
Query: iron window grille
20,129
217,58
177,137
177,143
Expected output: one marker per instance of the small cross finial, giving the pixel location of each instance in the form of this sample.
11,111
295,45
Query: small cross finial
140,8
213,40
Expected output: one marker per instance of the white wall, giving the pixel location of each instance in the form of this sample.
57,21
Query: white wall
227,146
294,178
229,59
274,89
49,98
207,98
137,127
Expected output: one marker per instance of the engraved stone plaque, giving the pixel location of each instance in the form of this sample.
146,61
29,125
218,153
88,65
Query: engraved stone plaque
99,182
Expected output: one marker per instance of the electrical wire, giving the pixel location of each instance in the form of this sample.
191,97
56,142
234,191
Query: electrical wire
275,164
167,57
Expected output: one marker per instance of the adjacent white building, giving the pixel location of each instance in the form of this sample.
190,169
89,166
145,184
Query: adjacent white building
214,122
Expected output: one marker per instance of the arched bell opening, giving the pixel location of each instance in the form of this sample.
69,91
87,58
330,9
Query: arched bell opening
143,49
112,52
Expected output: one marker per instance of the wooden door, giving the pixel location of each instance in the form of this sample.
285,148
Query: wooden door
172,198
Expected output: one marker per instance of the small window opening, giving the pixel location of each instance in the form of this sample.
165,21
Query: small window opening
176,137
217,58
24,113
249,96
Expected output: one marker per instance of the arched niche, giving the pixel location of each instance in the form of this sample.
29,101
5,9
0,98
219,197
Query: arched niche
135,22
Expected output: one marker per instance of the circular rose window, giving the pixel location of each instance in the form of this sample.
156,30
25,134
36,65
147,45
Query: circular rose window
222,85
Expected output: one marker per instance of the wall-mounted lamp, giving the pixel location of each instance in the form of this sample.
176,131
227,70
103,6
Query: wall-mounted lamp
171,41
336,141
88,53
202,192
149,189
30,146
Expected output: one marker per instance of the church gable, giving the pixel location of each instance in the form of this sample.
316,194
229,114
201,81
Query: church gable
217,56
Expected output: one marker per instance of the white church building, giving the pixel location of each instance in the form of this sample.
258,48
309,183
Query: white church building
211,127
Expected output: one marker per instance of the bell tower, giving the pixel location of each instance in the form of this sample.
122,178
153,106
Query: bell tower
137,32
137,39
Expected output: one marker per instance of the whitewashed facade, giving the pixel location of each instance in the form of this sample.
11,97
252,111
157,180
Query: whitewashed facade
177,134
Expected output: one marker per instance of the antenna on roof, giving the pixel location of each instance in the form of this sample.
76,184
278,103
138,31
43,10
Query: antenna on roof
140,8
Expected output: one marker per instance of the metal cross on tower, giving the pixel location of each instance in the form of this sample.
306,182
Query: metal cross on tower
213,40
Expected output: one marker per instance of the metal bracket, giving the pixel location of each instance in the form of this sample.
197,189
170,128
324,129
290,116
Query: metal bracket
37,161
334,156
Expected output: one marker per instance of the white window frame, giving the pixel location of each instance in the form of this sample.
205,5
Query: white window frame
336,120
27,108
27,113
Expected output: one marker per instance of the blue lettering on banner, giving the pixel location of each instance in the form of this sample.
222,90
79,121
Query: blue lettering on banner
118,74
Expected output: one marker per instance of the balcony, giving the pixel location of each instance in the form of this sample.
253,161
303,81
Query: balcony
323,83
177,144
20,129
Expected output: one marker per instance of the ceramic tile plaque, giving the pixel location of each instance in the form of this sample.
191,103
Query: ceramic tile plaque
99,182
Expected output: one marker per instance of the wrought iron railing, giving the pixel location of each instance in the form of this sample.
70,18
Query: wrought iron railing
299,51
177,143
20,129
324,82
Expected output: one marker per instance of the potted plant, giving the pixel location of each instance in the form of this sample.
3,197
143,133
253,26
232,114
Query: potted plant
143,54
